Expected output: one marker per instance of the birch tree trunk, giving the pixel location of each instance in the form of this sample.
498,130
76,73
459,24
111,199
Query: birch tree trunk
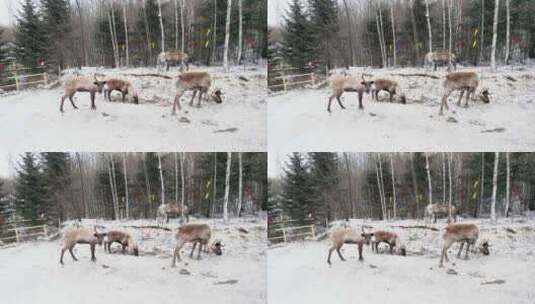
393,187
227,186
147,31
508,31
176,178
126,197
161,178
81,170
478,211
176,28
508,184
379,188
162,32
393,45
350,186
429,185
110,178
415,186
450,186
443,177
214,192
183,197
240,31
147,183
385,64
494,186
115,59
443,24
126,35
429,25
227,36
240,185
114,189
182,46
414,34
494,35
449,25
82,38
382,183
114,34
214,44
482,38
350,28
379,37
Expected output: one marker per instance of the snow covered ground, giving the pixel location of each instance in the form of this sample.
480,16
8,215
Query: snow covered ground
31,273
299,273
31,119
298,121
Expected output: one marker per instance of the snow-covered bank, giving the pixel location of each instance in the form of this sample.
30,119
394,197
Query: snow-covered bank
298,119
31,119
299,273
31,273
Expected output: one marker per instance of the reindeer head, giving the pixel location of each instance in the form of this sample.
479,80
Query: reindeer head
99,84
217,248
216,96
484,247
100,237
402,250
484,95
367,84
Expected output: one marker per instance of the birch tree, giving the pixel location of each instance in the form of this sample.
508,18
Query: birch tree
443,24
176,177
414,34
240,183
227,186
81,170
161,24
214,34
429,25
450,186
182,46
383,209
449,25
160,170
443,177
240,32
113,188
126,35
82,36
494,35
494,186
214,191
382,36
113,45
176,28
350,29
415,185
147,182
482,190
429,185
183,197
482,38
147,31
114,34
393,42
227,36
508,184
127,203
508,31
393,186
383,57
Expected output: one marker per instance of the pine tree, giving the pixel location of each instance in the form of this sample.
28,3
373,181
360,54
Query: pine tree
3,51
56,169
30,37
30,188
297,46
57,26
324,181
324,26
296,199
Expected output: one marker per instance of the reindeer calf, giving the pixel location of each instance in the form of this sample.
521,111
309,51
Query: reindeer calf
390,238
81,236
463,81
81,84
196,234
123,238
348,236
391,86
463,233
123,86
340,84
195,81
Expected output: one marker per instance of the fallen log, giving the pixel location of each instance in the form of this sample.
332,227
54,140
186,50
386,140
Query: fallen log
148,75
150,227
417,227
415,75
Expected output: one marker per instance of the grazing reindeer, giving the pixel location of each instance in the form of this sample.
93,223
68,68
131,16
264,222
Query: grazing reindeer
82,84
194,233
195,81
463,233
172,58
123,86
433,211
123,238
165,210
391,86
392,239
81,236
463,81
340,84
441,57
348,236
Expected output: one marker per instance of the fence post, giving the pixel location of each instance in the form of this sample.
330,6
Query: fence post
16,80
45,230
17,234
45,78
284,234
313,231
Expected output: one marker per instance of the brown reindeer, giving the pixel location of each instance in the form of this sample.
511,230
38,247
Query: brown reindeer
123,238
442,58
390,238
197,234
173,58
340,84
465,82
167,210
123,86
391,86
81,236
196,82
433,211
82,84
348,236
463,233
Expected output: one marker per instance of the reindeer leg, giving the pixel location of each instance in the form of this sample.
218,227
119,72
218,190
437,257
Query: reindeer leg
391,248
61,104
199,251
328,106
360,101
72,253
124,248
193,249
192,98
93,258
200,97
61,257
329,256
470,92
340,102
72,102
124,95
93,107
444,254
176,253
444,103
467,247
360,251
177,102
460,98
460,250
391,96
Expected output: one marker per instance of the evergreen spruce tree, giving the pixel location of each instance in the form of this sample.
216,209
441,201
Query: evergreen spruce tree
30,37
56,169
297,45
3,51
324,26
57,26
297,193
30,187
324,181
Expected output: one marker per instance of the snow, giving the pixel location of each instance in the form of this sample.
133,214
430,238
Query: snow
238,124
299,273
31,273
299,118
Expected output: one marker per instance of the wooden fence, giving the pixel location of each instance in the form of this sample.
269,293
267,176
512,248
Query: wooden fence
20,78
283,77
22,230
286,230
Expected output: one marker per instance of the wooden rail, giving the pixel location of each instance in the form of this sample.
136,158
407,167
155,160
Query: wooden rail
20,78
20,231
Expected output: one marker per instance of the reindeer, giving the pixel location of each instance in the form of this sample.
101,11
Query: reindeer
463,233
196,234
463,81
441,57
391,86
173,57
340,84
81,236
165,210
348,236
390,238
195,81
433,211
82,84
123,86
123,238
